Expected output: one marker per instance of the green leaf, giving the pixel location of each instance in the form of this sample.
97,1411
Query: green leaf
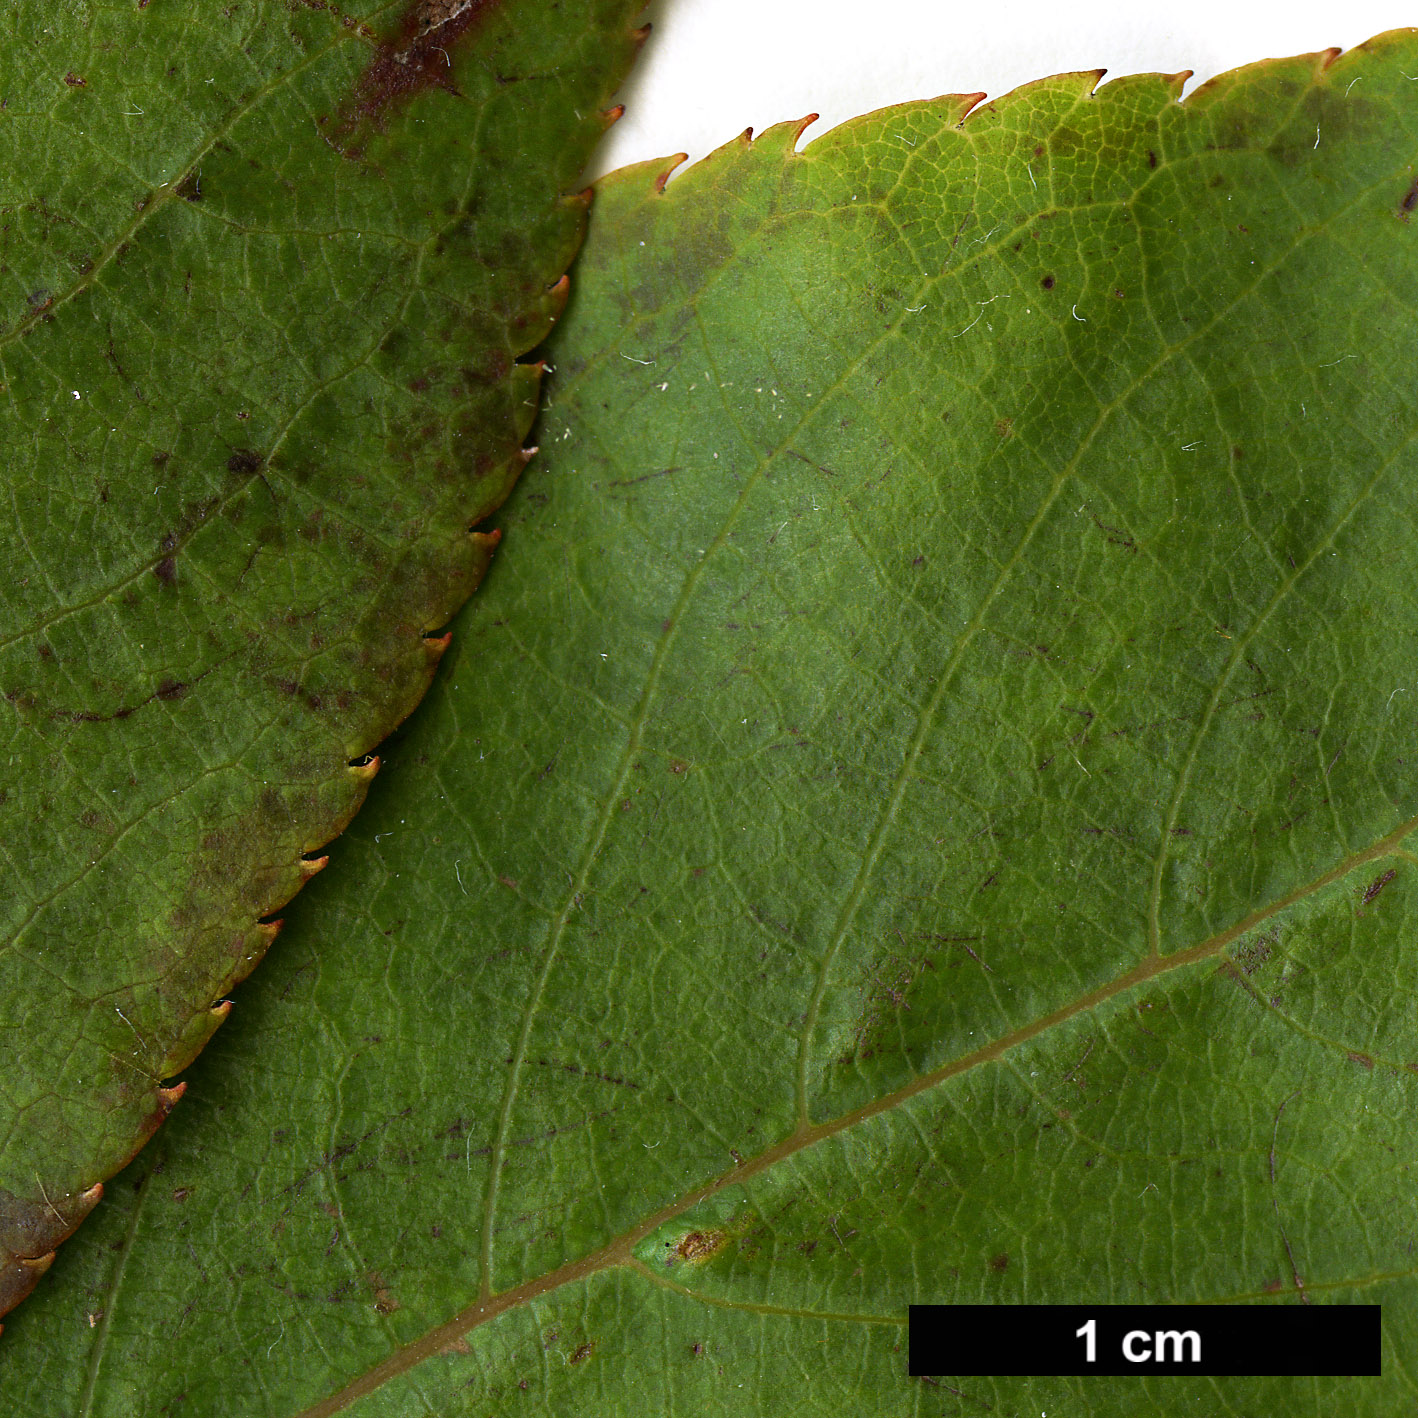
265,271
918,813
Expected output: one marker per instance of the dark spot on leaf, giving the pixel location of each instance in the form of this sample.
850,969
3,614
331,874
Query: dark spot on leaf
74,81
1047,283
244,462
1151,158
1378,885
1115,535
172,689
1410,199
999,1263
166,570
583,1352
1250,955
1362,1059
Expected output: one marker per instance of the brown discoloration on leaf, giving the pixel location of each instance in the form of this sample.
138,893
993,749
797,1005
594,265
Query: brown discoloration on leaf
384,1301
29,1232
697,1246
1252,953
1378,885
418,57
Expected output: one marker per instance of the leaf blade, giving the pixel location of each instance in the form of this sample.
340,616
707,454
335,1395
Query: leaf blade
635,854
297,391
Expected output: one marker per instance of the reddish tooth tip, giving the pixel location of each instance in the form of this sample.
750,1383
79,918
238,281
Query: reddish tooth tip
221,1010
168,1097
310,867
39,1264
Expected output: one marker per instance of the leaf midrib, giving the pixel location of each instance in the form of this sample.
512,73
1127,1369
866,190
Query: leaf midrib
620,1251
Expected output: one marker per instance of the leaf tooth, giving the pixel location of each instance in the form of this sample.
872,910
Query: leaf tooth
783,137
486,542
611,116
436,646
313,866
200,1028
168,1098
364,769
554,302
675,160
19,1275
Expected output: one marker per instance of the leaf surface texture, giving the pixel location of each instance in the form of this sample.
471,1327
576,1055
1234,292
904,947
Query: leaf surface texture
265,271
920,812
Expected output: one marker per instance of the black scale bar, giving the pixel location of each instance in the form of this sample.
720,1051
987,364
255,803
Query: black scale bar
1233,1341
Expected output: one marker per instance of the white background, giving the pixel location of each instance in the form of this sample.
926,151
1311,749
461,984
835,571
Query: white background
711,68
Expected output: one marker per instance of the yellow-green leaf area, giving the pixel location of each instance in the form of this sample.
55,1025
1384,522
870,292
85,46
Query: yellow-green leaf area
920,812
